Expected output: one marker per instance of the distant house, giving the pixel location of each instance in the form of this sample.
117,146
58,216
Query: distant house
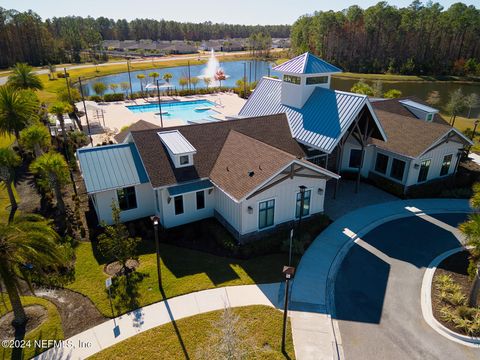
401,140
244,172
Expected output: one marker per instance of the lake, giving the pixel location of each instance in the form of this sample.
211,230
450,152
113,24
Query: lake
256,69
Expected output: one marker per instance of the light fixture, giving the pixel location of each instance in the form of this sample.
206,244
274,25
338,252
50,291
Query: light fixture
250,210
320,191
416,166
210,191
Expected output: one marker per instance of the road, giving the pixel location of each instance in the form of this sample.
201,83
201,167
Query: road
377,293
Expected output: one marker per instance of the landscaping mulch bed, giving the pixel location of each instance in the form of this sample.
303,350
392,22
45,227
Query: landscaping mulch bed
114,268
456,266
36,315
78,313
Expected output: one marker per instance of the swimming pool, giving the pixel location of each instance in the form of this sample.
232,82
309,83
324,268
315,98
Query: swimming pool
194,110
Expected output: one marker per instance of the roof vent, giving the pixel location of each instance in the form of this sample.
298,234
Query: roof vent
251,173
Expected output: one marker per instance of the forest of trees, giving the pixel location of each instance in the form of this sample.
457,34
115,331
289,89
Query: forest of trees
25,37
418,39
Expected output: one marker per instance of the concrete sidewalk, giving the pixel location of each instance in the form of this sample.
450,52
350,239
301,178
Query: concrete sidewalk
123,327
313,286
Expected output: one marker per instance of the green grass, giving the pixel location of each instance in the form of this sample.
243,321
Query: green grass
51,329
263,328
463,123
183,271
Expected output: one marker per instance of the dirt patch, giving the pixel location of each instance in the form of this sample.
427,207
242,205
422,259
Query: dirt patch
36,315
77,312
114,268
456,266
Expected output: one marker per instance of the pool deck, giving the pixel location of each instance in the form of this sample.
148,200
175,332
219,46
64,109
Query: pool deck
116,115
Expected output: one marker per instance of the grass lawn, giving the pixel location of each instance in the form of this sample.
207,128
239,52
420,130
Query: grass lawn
50,329
263,328
462,123
183,271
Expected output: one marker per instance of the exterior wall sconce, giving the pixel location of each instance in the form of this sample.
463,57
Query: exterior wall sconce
320,191
250,210
210,191
416,166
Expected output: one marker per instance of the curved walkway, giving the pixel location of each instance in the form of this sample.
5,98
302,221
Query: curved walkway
313,287
115,330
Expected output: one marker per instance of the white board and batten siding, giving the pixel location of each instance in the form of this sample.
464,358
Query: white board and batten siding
230,210
145,204
350,145
190,213
436,156
284,194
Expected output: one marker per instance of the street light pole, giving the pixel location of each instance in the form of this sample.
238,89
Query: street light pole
85,110
302,204
68,85
159,105
288,272
245,80
129,78
156,222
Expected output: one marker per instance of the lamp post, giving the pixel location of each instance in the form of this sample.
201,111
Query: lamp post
474,128
68,85
129,78
302,204
85,110
288,272
156,222
245,80
159,105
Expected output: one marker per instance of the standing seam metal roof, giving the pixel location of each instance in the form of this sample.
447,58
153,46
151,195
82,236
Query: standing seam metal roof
321,122
306,64
110,167
176,142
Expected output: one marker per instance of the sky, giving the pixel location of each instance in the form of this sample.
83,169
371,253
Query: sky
226,11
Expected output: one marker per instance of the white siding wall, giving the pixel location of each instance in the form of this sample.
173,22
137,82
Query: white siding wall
436,156
145,204
229,209
285,202
190,213
367,161
391,156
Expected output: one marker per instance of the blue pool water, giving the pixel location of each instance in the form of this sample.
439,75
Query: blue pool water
184,110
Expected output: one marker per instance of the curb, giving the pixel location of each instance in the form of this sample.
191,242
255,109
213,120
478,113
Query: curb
426,302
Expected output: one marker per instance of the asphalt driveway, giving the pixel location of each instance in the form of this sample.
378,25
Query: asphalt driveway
377,293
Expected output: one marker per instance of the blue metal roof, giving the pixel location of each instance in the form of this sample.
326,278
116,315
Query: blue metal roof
111,167
306,64
322,121
189,187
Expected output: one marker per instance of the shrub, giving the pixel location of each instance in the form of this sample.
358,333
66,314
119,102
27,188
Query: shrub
114,97
95,98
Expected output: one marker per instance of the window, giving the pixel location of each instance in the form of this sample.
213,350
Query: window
200,200
355,158
178,204
429,117
317,80
292,79
184,160
381,163
423,173
127,198
306,203
266,211
398,168
447,160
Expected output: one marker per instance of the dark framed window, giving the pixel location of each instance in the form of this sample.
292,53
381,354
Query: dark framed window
317,80
127,199
423,173
200,199
429,117
398,169
184,160
292,79
306,203
381,163
447,161
266,213
178,201
355,158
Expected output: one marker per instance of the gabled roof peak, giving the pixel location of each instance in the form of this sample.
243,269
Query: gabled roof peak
306,63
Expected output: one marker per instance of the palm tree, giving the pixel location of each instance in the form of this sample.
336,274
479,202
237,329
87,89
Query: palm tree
141,77
125,86
99,88
53,173
154,75
23,77
17,110
113,87
35,138
183,81
59,108
8,161
471,229
28,242
167,77
207,81
51,71
194,81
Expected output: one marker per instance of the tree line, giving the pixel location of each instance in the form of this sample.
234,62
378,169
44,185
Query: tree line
25,37
418,39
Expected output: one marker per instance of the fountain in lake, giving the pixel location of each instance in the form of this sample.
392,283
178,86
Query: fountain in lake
213,70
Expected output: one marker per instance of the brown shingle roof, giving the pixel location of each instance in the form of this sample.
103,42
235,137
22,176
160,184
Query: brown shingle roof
139,125
408,135
245,163
208,140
